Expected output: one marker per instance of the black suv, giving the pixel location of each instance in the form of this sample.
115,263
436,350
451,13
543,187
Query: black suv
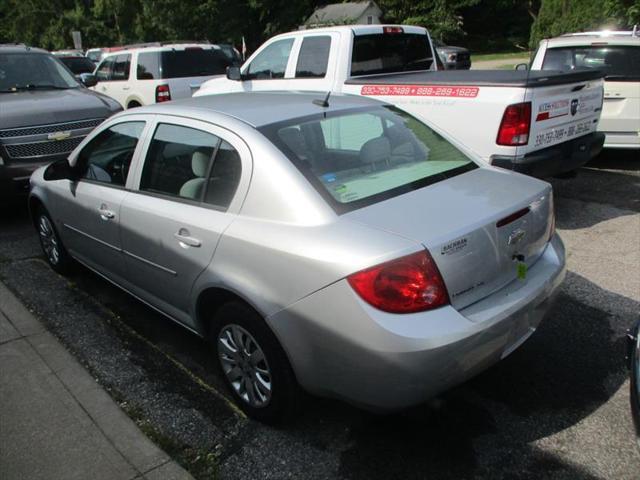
45,112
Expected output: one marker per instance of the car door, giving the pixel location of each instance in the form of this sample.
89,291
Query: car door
314,62
88,209
188,192
271,67
103,75
120,86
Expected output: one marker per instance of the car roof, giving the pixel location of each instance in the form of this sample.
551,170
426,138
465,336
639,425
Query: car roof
355,29
157,47
20,48
260,108
599,38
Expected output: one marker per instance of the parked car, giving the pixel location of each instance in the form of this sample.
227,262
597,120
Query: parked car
633,357
77,64
153,73
503,116
617,54
453,58
44,114
341,245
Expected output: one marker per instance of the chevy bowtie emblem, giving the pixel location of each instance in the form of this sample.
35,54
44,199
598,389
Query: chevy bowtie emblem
516,236
58,135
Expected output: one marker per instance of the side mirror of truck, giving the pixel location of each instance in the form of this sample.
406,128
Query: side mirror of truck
233,73
522,66
88,79
60,170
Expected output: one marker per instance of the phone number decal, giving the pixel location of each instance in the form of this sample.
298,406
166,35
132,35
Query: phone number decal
558,134
420,91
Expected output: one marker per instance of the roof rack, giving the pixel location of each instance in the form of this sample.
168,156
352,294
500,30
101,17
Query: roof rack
162,44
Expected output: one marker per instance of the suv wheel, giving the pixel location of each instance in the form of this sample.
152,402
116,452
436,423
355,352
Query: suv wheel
253,364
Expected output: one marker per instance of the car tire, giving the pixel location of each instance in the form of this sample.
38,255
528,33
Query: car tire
56,255
267,389
133,104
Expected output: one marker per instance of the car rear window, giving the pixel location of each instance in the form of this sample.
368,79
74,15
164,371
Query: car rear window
190,62
359,157
390,53
619,63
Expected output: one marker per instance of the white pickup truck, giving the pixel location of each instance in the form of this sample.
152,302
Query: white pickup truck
540,123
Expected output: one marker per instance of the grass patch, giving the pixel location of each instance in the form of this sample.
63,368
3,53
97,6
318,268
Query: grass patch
499,56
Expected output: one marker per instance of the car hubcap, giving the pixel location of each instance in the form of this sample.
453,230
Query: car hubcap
49,241
245,365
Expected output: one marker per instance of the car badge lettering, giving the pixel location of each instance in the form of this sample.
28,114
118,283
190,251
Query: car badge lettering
516,236
574,106
58,135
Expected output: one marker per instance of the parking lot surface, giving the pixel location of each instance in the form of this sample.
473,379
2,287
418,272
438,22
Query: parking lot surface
557,408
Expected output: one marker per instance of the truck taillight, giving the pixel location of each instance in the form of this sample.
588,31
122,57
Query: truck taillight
163,94
392,30
515,125
406,285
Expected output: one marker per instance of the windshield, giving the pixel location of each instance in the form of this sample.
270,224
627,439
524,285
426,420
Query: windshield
619,63
33,71
94,55
390,53
360,157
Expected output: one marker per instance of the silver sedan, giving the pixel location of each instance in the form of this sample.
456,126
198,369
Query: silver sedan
339,245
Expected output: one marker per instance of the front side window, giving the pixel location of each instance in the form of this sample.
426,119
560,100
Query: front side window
390,53
619,63
107,158
121,67
191,164
103,73
271,62
313,57
357,158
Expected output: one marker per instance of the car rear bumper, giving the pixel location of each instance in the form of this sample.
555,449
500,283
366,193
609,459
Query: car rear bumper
622,140
554,160
339,346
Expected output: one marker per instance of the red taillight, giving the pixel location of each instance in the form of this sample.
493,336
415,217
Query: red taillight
515,125
405,285
392,30
163,94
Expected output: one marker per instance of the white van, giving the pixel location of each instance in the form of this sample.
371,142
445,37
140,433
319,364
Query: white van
155,72
617,54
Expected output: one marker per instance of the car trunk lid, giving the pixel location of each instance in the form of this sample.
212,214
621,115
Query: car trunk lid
478,226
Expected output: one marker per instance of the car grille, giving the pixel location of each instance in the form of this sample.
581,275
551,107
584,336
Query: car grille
56,127
463,57
41,149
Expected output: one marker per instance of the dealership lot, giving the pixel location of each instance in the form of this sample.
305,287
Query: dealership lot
556,408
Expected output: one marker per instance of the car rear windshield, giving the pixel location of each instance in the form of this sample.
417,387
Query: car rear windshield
390,53
190,62
619,63
78,65
356,158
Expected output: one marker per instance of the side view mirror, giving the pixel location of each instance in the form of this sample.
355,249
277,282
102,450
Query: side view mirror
60,170
233,73
522,66
88,79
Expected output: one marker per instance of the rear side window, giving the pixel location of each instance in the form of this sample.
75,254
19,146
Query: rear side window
271,62
148,66
390,53
191,164
107,158
619,63
313,57
121,67
357,158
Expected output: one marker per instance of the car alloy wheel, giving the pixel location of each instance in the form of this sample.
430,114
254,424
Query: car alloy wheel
49,240
245,365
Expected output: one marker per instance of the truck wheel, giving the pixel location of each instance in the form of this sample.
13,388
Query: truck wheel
52,247
253,364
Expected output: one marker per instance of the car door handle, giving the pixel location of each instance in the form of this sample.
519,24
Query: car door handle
126,88
185,239
106,214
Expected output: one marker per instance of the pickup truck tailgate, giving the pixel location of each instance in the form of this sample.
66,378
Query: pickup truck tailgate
563,112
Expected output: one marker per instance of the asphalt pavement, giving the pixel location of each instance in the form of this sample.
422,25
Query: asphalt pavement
557,408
